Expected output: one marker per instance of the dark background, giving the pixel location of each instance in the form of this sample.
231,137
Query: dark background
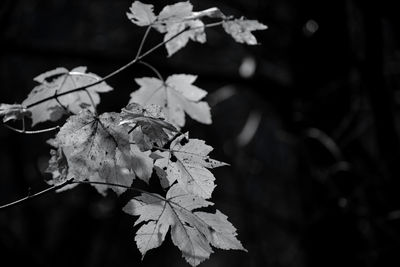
312,135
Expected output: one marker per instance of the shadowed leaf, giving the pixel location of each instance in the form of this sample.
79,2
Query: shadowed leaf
97,149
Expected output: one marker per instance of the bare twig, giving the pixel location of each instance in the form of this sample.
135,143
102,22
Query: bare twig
127,65
91,102
118,185
31,196
86,90
153,69
23,131
142,42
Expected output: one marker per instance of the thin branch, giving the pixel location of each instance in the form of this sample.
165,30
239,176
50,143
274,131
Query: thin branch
142,42
153,69
92,102
23,131
23,124
167,201
177,151
77,73
62,106
211,25
325,140
109,184
55,93
47,190
178,133
135,60
133,128
119,185
176,35
98,81
81,88
86,90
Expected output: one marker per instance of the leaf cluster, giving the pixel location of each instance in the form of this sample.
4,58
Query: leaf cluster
144,140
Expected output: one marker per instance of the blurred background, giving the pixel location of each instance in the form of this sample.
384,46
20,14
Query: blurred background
308,120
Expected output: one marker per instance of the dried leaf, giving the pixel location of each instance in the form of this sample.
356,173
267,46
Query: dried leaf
149,125
240,30
97,149
58,168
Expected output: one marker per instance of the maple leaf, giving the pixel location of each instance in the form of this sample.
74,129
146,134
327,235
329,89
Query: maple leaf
191,30
175,96
192,232
240,30
149,125
178,18
171,14
13,112
141,14
58,81
97,149
172,20
187,162
224,233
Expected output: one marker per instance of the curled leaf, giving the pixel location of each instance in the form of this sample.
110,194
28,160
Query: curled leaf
141,14
172,14
13,112
240,30
178,18
213,12
148,123
191,30
58,168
